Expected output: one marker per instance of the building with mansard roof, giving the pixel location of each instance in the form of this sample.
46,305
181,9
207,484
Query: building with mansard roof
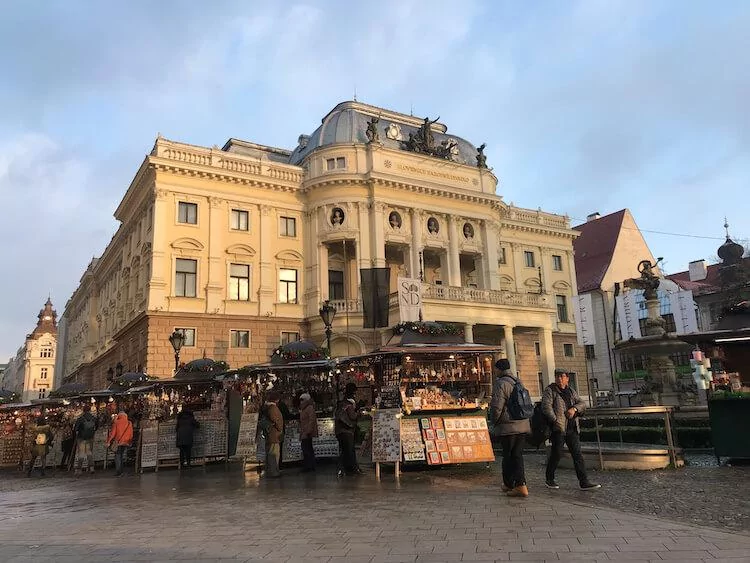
238,247
31,372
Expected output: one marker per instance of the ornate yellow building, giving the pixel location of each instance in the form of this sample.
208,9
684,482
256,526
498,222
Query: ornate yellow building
238,246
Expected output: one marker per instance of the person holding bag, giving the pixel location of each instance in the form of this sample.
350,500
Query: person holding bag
120,439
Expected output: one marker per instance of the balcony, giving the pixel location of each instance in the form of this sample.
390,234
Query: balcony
462,294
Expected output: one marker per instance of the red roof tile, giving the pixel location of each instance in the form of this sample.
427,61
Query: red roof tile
594,249
711,284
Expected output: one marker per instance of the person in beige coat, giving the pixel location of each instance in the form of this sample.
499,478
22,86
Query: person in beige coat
308,429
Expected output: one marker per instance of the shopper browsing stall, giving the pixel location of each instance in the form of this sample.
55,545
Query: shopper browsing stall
120,438
308,429
185,431
85,429
272,425
345,428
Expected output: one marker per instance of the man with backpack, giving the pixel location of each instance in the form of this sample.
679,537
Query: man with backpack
84,429
510,410
562,406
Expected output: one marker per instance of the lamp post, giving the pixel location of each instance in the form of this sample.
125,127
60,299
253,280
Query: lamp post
176,339
327,313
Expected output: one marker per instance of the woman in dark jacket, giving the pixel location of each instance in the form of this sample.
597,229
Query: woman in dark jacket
186,426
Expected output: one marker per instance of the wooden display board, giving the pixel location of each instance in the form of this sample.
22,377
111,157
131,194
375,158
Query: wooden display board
386,436
326,444
211,439
446,439
468,439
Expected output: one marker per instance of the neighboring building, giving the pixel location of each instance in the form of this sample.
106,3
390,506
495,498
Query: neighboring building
3,367
606,253
31,373
717,287
239,246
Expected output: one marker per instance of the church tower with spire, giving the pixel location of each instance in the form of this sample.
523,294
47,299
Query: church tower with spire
31,373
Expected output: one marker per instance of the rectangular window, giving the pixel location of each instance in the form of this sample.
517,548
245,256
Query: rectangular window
189,334
537,349
568,350
240,338
287,226
240,220
287,337
330,164
239,282
341,162
335,284
501,255
187,213
670,324
590,352
335,163
540,381
562,309
557,263
42,392
528,258
287,285
46,352
45,371
185,277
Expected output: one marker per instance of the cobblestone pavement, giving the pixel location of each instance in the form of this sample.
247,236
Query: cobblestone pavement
452,515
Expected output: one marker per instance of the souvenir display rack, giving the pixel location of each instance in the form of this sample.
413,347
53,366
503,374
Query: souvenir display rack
441,393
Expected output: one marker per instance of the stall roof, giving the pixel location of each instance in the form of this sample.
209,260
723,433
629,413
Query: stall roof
15,406
719,336
433,348
312,364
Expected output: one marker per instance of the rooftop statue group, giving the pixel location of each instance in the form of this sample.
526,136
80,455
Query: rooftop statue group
423,141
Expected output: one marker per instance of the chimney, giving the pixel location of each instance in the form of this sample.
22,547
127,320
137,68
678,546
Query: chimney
593,216
698,270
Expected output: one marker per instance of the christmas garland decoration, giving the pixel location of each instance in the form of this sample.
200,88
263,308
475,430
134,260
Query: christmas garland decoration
429,328
300,355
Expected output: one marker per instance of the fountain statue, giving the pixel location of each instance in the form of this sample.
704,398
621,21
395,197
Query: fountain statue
657,345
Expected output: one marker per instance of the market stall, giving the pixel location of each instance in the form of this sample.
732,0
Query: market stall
432,392
293,369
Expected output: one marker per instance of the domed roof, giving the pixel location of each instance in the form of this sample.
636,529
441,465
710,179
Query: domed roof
730,252
347,124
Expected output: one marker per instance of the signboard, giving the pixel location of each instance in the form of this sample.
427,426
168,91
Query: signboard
683,309
386,436
291,448
326,444
247,444
584,317
627,315
211,438
409,299
412,445
149,443
468,439
167,441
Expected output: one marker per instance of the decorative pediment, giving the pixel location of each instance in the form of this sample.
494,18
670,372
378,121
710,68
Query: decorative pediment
241,249
506,281
292,255
187,243
561,286
533,284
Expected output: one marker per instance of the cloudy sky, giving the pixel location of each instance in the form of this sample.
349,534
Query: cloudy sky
584,106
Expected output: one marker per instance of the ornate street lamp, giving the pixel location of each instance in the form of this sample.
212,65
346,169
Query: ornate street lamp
327,313
176,339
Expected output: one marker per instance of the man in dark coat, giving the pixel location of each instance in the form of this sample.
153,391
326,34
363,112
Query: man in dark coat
186,427
345,426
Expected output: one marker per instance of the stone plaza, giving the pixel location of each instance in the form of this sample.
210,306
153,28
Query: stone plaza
431,516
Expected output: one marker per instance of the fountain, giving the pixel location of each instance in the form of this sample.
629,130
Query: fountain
657,345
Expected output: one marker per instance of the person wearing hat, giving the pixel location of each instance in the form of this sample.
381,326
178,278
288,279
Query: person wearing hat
512,433
308,429
562,406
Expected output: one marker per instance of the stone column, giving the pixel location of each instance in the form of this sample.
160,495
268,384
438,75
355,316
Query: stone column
517,257
377,228
323,271
469,333
510,346
161,265
216,290
548,354
454,259
268,281
490,273
416,242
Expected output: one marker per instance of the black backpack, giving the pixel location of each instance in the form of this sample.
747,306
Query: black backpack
540,427
519,405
